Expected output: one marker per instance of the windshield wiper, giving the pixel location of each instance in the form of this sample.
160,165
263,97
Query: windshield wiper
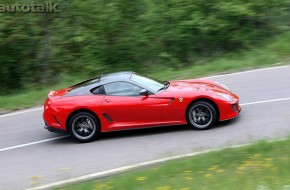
166,85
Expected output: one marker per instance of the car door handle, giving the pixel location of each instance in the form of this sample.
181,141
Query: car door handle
107,100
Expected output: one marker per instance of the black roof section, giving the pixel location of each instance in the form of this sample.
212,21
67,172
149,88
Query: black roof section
117,75
84,87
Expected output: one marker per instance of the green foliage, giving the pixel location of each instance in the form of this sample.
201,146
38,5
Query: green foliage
263,165
273,50
97,36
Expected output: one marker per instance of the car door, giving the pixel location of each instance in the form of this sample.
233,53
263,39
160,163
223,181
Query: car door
126,108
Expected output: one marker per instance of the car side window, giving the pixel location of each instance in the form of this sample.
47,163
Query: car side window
122,89
98,90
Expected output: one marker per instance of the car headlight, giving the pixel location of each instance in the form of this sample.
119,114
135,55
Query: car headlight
222,85
225,96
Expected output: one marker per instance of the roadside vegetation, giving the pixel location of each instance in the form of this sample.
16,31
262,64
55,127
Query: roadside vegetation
273,52
264,165
170,40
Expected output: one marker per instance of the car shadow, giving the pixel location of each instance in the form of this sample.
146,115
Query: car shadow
159,130
143,132
148,131
228,122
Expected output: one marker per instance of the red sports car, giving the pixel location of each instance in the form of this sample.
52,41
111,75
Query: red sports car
127,100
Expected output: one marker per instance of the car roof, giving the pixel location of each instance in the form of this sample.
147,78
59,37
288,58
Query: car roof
84,87
117,76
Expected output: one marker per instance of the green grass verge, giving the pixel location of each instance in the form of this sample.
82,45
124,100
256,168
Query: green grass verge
274,50
29,98
263,165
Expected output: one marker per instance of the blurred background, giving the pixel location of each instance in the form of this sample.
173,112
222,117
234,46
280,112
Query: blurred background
164,38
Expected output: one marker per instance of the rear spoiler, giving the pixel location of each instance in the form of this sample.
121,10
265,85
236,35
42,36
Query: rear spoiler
84,82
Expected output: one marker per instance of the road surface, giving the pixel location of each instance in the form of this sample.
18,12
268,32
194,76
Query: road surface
31,156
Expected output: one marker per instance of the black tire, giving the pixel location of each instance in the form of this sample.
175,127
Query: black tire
201,115
84,127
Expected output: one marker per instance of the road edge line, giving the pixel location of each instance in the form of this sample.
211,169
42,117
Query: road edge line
248,71
32,143
114,171
21,112
265,101
51,139
208,77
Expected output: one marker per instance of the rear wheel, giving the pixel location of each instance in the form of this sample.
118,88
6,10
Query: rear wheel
84,127
201,115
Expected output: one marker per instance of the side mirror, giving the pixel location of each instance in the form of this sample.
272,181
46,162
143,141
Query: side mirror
144,92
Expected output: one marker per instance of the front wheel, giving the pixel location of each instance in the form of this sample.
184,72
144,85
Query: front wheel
201,115
84,127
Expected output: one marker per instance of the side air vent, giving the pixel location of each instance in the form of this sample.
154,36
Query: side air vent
56,119
234,107
107,117
171,101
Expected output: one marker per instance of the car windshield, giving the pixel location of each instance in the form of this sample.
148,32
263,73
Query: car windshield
151,83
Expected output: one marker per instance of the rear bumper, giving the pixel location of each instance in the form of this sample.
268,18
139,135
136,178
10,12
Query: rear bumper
51,122
54,130
53,119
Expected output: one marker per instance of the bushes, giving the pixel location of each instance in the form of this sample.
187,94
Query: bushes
91,37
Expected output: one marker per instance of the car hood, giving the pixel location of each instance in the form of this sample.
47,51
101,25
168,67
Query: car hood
197,85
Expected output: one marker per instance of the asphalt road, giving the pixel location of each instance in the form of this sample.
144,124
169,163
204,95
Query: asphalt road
265,115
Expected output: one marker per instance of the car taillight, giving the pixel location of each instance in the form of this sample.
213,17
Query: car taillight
47,103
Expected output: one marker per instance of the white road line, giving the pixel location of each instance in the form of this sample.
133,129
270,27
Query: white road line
265,101
20,112
249,71
134,166
214,76
32,143
52,139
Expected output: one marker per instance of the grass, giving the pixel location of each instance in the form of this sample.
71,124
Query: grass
264,165
28,98
274,50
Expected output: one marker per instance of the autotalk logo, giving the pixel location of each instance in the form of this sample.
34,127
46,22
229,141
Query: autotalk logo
45,7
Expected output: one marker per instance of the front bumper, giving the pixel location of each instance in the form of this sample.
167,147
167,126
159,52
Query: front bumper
229,110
